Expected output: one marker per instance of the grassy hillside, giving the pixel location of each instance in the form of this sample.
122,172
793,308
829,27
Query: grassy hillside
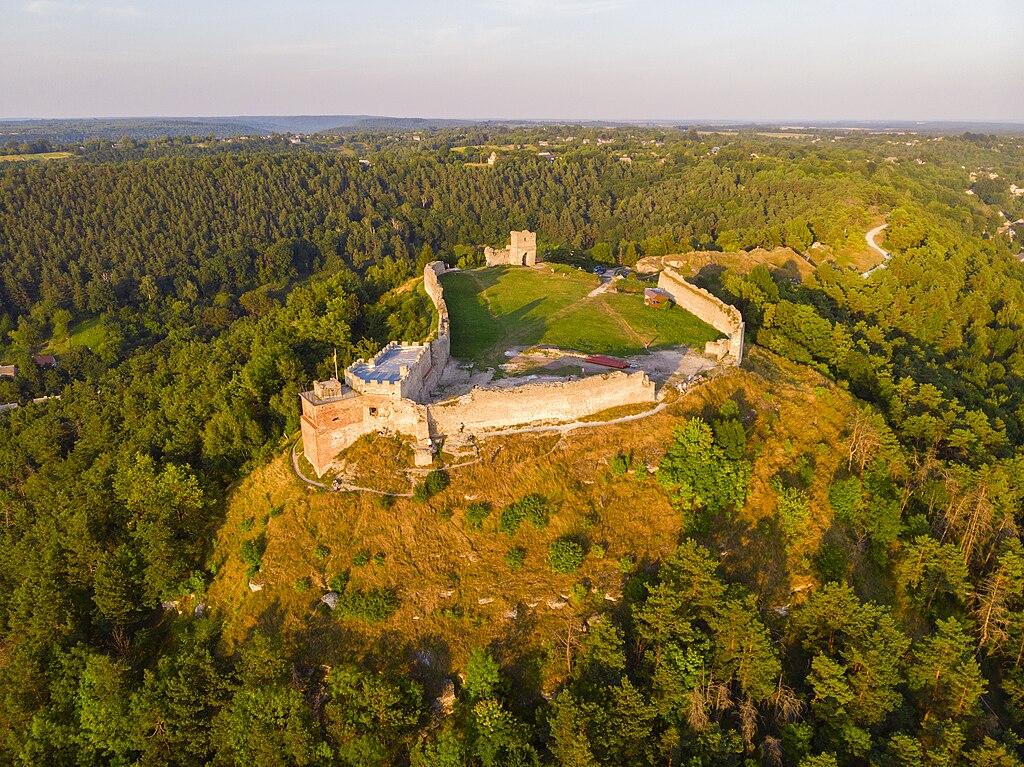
454,586
495,309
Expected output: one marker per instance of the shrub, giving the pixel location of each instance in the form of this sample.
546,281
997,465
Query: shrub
533,508
362,558
476,513
794,511
378,559
322,551
619,464
627,563
433,483
302,585
385,502
371,606
247,524
597,550
515,557
276,511
252,553
565,555
338,582
830,563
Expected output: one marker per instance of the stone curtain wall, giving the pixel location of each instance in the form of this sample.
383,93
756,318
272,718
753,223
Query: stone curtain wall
441,343
718,314
489,409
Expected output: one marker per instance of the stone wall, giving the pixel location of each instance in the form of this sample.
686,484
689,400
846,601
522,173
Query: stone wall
441,341
702,304
488,409
522,251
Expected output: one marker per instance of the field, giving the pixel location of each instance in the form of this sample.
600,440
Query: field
42,156
495,309
87,333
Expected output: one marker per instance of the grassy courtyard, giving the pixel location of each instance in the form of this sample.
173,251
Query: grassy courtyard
494,309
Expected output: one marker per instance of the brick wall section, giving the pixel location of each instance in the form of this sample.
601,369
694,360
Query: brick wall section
718,314
485,410
329,428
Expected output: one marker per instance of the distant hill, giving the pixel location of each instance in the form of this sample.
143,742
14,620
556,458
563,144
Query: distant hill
71,130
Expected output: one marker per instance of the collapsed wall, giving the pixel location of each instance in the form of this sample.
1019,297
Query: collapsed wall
705,306
488,409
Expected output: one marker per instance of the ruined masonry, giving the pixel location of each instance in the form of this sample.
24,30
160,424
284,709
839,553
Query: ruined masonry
521,251
392,392
718,314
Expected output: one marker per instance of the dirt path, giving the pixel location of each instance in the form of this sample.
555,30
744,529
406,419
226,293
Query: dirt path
622,322
342,486
870,239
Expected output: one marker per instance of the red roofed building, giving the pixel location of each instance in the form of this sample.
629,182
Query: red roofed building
608,362
45,360
656,298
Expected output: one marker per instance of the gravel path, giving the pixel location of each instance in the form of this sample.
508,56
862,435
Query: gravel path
870,239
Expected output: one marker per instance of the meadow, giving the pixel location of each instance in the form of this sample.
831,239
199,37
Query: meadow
495,309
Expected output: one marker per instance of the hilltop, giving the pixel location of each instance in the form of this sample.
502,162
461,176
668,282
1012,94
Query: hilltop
455,590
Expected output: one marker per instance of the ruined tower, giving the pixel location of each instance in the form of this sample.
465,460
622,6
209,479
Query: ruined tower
522,251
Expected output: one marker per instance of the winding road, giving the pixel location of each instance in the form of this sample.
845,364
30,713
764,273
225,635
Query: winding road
886,255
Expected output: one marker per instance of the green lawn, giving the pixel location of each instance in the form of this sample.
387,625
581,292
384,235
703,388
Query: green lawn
38,157
86,333
494,309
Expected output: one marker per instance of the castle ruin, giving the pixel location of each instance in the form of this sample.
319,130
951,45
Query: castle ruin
393,392
522,251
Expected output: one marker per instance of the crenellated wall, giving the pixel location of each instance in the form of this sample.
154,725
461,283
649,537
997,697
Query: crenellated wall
718,314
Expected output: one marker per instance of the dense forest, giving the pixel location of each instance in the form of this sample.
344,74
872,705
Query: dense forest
191,287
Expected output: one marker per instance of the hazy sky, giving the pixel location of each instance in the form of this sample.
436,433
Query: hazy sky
785,60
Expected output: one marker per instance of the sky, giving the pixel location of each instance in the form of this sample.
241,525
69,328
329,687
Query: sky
759,60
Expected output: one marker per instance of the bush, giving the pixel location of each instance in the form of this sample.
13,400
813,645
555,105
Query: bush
378,559
371,606
247,524
793,512
597,550
338,582
252,553
620,464
362,558
433,483
515,557
830,563
322,551
565,555
476,513
302,585
533,508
